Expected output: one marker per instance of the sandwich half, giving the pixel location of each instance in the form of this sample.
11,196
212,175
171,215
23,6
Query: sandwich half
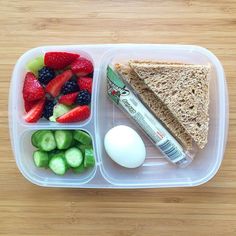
154,104
183,89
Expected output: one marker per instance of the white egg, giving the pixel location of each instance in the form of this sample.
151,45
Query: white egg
125,146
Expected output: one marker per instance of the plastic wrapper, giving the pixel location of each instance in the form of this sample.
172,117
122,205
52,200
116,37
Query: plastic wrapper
124,97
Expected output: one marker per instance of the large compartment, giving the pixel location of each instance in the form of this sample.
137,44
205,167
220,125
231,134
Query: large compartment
156,170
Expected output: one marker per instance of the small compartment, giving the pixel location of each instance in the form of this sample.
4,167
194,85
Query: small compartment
42,176
19,75
155,170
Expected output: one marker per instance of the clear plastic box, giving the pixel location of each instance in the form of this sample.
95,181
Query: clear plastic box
156,171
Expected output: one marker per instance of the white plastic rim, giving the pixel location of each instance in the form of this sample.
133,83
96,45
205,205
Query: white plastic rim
156,171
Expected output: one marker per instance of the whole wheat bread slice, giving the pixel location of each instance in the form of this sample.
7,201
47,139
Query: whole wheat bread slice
154,104
184,89
159,62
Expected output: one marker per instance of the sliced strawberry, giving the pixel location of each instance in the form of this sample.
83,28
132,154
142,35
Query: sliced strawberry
68,99
32,89
59,60
77,114
81,66
35,112
85,83
28,105
55,85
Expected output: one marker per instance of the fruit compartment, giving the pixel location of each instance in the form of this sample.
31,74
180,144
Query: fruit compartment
156,170
19,74
45,177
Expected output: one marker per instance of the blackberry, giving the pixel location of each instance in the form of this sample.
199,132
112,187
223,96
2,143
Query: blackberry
84,98
70,86
46,75
48,109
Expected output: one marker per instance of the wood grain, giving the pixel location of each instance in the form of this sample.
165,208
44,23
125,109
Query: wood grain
26,209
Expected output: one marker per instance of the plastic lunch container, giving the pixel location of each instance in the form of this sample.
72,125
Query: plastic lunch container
156,171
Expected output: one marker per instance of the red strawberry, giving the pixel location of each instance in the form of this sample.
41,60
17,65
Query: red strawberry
79,113
32,89
82,66
85,83
59,60
55,85
28,105
35,112
68,99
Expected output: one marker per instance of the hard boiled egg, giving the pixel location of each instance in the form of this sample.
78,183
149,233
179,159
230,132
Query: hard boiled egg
125,146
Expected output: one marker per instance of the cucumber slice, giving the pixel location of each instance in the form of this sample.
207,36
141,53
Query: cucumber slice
89,160
45,141
59,110
63,138
58,164
79,169
33,138
82,147
82,137
52,118
41,158
74,157
35,135
36,64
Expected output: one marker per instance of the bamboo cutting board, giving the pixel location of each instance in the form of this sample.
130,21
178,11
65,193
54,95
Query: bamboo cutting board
26,209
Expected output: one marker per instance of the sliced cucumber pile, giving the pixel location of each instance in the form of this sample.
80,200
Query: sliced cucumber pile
60,150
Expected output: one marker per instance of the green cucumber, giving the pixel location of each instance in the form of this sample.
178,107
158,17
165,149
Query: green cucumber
74,157
35,64
54,152
63,138
79,169
59,110
89,160
74,142
41,158
52,118
45,140
77,155
82,147
58,164
82,137
35,136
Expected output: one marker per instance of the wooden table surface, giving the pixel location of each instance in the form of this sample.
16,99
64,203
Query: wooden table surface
26,209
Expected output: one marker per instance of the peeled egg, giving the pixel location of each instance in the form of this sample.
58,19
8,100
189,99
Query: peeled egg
125,146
